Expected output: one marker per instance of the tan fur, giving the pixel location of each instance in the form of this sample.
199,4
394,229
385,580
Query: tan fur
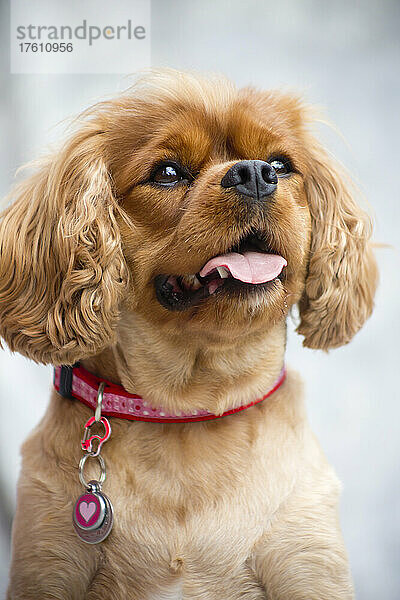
243,507
63,217
342,275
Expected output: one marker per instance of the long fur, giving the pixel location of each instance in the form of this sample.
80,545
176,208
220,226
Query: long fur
341,279
62,271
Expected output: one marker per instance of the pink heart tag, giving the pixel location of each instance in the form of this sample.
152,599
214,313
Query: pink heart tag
87,509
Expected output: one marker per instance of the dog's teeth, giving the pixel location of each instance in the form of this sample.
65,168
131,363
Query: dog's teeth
196,282
191,282
223,273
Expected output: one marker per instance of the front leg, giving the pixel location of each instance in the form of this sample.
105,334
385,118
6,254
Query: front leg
302,556
49,561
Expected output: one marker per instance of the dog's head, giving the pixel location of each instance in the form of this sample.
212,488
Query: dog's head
198,206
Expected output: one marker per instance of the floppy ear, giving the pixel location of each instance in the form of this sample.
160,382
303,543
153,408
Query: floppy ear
342,274
62,271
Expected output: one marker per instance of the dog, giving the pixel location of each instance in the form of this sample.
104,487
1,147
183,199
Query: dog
161,250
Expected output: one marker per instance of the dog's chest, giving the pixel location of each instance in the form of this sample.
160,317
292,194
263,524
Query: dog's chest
183,554
190,516
172,591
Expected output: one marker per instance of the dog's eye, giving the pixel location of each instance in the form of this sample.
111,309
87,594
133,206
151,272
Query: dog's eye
282,165
168,174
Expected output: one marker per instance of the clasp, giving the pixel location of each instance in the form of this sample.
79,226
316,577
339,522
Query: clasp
87,440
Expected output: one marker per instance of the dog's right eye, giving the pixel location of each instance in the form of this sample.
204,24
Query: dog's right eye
168,174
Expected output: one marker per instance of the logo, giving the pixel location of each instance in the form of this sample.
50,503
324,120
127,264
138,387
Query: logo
87,36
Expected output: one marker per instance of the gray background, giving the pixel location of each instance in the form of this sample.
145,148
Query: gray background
342,55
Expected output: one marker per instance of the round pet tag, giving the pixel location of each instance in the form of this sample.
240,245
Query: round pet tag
93,515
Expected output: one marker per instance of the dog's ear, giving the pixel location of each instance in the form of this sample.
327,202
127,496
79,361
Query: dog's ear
62,271
342,274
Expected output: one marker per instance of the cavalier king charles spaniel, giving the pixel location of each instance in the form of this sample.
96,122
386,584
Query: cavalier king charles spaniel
161,249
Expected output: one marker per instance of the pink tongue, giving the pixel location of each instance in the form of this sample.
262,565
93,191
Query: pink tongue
250,267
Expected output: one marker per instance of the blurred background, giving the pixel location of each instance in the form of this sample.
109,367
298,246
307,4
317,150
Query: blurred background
344,56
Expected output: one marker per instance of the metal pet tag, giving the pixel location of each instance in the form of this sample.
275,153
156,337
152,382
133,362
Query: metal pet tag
93,512
93,515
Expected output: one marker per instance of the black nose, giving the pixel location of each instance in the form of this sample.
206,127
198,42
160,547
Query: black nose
255,178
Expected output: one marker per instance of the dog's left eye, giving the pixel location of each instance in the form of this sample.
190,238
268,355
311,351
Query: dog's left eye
168,174
282,165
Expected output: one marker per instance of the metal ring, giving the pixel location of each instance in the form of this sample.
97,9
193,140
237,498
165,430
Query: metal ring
102,468
99,406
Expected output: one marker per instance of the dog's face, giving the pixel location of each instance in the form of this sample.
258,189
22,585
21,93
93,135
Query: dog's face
207,187
202,208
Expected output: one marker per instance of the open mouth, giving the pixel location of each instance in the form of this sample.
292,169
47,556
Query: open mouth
249,266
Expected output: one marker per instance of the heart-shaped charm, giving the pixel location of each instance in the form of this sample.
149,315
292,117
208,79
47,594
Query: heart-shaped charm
93,515
87,509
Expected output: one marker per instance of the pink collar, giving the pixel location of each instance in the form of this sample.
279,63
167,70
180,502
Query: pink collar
76,382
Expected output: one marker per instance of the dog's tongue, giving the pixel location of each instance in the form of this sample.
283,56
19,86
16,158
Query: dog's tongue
249,267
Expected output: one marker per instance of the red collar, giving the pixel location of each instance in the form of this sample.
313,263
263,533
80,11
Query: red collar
76,382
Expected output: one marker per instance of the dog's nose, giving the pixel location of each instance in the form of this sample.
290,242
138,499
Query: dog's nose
255,178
